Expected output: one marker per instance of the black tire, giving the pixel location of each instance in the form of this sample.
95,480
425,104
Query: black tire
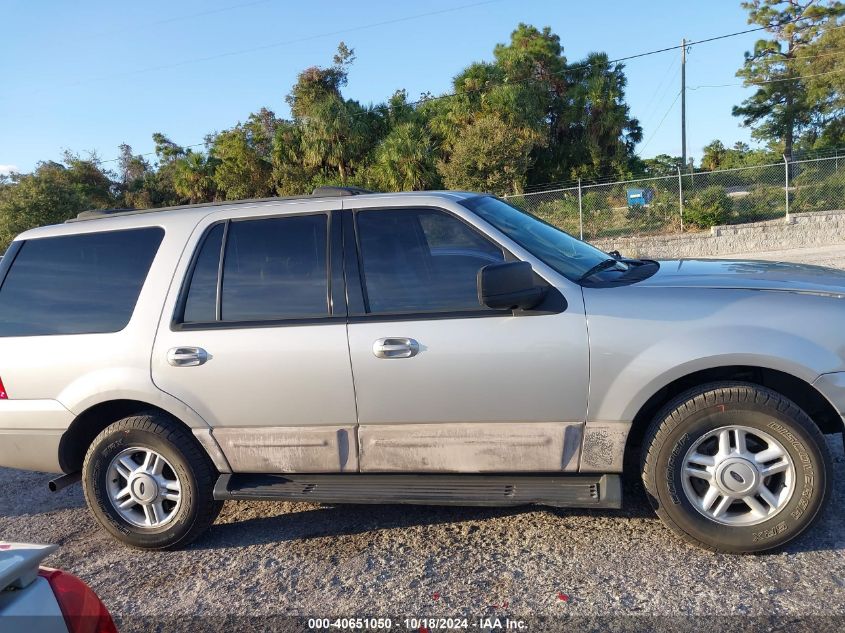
196,474
688,418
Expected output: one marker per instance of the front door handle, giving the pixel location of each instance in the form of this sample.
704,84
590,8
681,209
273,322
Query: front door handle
395,347
186,356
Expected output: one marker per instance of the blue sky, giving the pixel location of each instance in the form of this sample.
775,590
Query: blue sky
89,76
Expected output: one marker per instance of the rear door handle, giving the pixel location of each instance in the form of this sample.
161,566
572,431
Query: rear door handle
395,347
186,356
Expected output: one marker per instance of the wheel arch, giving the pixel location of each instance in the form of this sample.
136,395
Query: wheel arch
802,393
90,422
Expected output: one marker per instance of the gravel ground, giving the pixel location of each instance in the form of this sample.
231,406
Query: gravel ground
303,559
578,569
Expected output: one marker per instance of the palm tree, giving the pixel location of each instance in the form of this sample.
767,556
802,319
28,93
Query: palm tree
194,177
404,161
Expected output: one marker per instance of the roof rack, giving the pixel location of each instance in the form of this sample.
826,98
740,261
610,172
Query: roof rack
320,192
330,191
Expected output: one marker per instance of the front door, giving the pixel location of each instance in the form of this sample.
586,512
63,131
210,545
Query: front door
258,344
444,384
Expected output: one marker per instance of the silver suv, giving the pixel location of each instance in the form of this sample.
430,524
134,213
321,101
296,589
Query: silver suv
434,348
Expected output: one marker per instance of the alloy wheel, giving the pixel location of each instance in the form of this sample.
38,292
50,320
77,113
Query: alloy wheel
736,475
144,488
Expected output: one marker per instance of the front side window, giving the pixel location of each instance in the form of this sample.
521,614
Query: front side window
273,268
76,284
421,260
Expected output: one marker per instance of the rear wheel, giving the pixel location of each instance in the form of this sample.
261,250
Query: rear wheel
735,467
149,483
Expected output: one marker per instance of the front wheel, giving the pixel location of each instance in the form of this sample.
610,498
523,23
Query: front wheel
149,483
735,467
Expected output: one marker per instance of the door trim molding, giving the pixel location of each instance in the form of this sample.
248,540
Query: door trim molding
289,449
474,447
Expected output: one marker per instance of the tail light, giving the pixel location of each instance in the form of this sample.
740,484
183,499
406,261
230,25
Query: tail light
84,612
3,395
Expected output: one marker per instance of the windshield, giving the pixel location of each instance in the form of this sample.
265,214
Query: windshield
569,256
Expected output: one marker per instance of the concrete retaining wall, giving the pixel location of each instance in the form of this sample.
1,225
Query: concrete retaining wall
803,230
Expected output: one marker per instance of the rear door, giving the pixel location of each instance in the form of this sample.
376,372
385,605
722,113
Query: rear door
443,383
255,341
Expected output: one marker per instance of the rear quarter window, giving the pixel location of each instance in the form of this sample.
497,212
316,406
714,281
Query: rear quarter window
76,284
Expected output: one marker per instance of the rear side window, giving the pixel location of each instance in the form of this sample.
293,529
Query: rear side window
273,268
201,303
76,284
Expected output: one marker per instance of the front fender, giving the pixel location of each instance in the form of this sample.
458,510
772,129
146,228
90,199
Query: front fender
640,341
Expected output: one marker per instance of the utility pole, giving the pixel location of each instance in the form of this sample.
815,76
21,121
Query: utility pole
684,102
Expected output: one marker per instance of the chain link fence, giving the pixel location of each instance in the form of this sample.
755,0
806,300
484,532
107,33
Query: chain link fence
691,201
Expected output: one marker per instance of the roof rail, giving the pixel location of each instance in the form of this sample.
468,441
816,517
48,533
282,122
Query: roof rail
330,191
97,213
320,192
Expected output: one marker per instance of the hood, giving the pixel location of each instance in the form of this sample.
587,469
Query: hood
749,275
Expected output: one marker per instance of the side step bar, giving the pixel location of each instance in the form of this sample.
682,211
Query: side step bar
575,491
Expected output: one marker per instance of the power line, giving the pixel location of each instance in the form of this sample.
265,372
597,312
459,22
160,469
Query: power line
653,134
135,27
608,62
114,160
786,60
655,112
277,44
395,21
662,89
452,95
769,81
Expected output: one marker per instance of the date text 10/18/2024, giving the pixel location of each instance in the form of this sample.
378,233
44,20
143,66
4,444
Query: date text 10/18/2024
422,624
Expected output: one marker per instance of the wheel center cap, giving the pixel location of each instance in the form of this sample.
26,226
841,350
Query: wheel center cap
144,488
737,476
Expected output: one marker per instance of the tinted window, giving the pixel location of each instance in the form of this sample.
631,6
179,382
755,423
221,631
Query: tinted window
568,256
76,284
201,303
421,260
275,268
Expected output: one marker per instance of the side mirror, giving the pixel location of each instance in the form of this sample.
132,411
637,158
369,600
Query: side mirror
509,286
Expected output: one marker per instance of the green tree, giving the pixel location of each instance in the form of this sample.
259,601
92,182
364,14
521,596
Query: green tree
133,173
166,150
53,193
534,61
525,117
194,177
242,158
661,165
781,107
585,127
606,131
336,135
715,155
490,156
405,160
315,84
159,187
290,176
823,64
88,175
710,207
